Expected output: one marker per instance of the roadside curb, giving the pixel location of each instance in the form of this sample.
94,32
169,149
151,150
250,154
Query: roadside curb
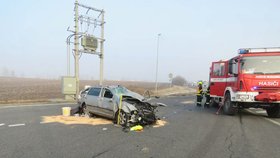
5,106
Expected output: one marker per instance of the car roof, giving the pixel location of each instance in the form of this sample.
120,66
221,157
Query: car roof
109,87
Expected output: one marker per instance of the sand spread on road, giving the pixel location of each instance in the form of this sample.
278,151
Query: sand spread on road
69,120
159,123
188,102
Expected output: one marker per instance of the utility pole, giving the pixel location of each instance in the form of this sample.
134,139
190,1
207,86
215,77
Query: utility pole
76,43
102,48
68,60
90,43
156,89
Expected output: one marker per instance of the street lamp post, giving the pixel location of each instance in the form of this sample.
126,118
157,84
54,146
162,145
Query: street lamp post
156,88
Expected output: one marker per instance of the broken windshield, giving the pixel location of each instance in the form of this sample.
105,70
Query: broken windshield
260,65
119,90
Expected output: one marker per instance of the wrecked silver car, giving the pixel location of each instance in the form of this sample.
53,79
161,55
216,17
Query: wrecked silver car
105,101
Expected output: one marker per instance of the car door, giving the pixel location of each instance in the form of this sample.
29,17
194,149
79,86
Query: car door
93,99
107,102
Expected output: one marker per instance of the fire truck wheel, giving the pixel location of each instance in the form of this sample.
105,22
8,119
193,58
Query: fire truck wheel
228,106
274,111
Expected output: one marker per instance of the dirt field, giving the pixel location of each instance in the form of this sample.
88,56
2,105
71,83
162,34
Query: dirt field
24,90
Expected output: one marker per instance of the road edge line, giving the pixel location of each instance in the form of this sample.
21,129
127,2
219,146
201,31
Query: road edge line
265,118
272,121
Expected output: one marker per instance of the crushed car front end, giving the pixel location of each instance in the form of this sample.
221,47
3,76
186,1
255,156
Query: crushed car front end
143,112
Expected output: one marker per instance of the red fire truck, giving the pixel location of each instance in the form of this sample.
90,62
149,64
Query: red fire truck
251,79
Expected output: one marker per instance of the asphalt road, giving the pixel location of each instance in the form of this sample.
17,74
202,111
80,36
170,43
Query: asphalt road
191,131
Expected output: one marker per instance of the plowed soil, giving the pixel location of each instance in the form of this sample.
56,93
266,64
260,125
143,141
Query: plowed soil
28,90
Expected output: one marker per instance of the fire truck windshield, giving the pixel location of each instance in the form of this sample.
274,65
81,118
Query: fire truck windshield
260,65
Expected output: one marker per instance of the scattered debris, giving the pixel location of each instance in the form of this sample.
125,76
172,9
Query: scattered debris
136,128
104,129
145,150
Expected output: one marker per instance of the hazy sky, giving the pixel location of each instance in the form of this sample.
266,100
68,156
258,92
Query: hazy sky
194,33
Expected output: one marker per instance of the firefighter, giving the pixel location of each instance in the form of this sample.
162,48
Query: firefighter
207,95
199,94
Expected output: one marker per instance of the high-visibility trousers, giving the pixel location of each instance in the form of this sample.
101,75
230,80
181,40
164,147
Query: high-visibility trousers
198,99
207,99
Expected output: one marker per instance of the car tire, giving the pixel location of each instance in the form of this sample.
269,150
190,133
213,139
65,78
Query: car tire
228,106
123,118
274,111
86,111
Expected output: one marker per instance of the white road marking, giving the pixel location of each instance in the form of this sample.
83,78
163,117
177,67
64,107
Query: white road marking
267,119
43,122
187,102
250,111
272,121
260,112
2,124
16,125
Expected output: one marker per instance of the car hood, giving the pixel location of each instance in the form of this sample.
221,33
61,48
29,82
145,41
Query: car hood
130,94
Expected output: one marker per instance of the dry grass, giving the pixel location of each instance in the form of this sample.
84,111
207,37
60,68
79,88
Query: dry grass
176,90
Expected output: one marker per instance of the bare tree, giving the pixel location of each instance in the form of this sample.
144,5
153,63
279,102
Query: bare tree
179,81
5,72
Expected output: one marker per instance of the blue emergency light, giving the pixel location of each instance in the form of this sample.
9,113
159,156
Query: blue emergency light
243,51
258,50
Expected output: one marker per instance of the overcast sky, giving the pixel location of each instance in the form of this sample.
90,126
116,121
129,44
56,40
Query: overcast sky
194,33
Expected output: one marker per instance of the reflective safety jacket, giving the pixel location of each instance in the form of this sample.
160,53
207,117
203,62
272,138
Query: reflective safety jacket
199,90
208,91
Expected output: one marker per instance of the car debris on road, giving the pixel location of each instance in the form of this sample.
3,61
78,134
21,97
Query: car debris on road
136,128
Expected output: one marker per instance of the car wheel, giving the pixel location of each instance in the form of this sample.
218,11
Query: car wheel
228,106
123,118
274,111
86,111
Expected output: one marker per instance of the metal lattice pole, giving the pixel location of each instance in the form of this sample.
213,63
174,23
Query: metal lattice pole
77,34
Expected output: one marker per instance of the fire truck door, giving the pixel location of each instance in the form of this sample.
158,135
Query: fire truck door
218,79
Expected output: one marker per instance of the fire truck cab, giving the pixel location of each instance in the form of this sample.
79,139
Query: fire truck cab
251,79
